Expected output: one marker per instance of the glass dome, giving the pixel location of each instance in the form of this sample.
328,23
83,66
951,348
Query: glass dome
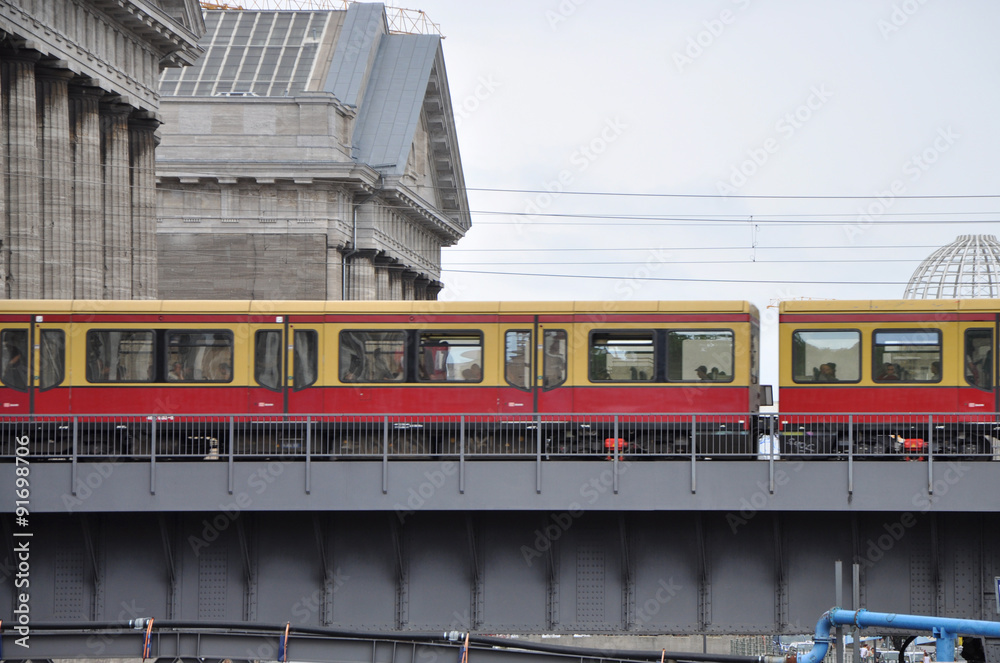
967,268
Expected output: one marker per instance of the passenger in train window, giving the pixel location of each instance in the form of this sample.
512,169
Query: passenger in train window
889,372
15,374
827,372
225,373
702,373
176,373
935,371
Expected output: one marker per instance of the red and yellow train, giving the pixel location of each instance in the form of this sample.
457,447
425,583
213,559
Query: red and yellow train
221,357
431,359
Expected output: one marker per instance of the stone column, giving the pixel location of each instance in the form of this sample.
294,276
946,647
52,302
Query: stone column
88,220
433,288
56,184
361,276
334,273
142,147
407,278
23,236
382,291
420,288
396,284
117,206
4,221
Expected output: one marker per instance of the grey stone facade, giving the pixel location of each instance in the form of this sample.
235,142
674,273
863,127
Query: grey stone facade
78,111
335,177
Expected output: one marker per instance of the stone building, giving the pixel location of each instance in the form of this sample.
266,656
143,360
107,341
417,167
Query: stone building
309,155
78,114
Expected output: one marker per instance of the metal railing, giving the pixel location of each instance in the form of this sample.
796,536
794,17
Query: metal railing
774,437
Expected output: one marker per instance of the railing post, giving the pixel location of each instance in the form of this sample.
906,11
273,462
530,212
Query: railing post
461,455
232,444
152,456
308,455
385,454
76,438
538,454
930,454
850,454
694,474
772,443
614,480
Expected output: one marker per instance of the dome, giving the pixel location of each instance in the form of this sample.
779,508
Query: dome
967,268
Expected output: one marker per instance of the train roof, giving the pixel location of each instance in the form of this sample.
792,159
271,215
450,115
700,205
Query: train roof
42,306
883,305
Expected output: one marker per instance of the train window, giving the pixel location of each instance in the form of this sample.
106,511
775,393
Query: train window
202,356
267,358
372,356
829,355
700,355
306,358
517,358
450,356
120,355
622,356
53,358
979,358
15,358
554,358
907,356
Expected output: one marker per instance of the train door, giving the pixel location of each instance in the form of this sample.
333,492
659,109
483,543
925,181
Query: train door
978,385
516,394
285,371
552,347
266,392
535,369
15,344
49,355
304,343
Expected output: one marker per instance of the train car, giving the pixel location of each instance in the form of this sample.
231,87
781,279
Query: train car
412,360
918,374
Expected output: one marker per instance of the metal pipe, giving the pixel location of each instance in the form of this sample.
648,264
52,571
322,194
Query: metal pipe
136,627
354,238
945,629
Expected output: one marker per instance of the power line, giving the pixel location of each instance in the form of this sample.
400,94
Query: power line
671,279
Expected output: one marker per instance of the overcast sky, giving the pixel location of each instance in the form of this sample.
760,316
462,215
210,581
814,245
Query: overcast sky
858,103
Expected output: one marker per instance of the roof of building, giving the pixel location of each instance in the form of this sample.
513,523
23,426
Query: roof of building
388,79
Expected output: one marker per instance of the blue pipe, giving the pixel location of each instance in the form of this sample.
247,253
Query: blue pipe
945,629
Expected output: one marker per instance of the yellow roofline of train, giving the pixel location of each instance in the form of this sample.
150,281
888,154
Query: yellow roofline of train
286,307
882,305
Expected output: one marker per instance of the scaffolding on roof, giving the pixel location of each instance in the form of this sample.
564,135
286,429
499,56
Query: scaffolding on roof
401,20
